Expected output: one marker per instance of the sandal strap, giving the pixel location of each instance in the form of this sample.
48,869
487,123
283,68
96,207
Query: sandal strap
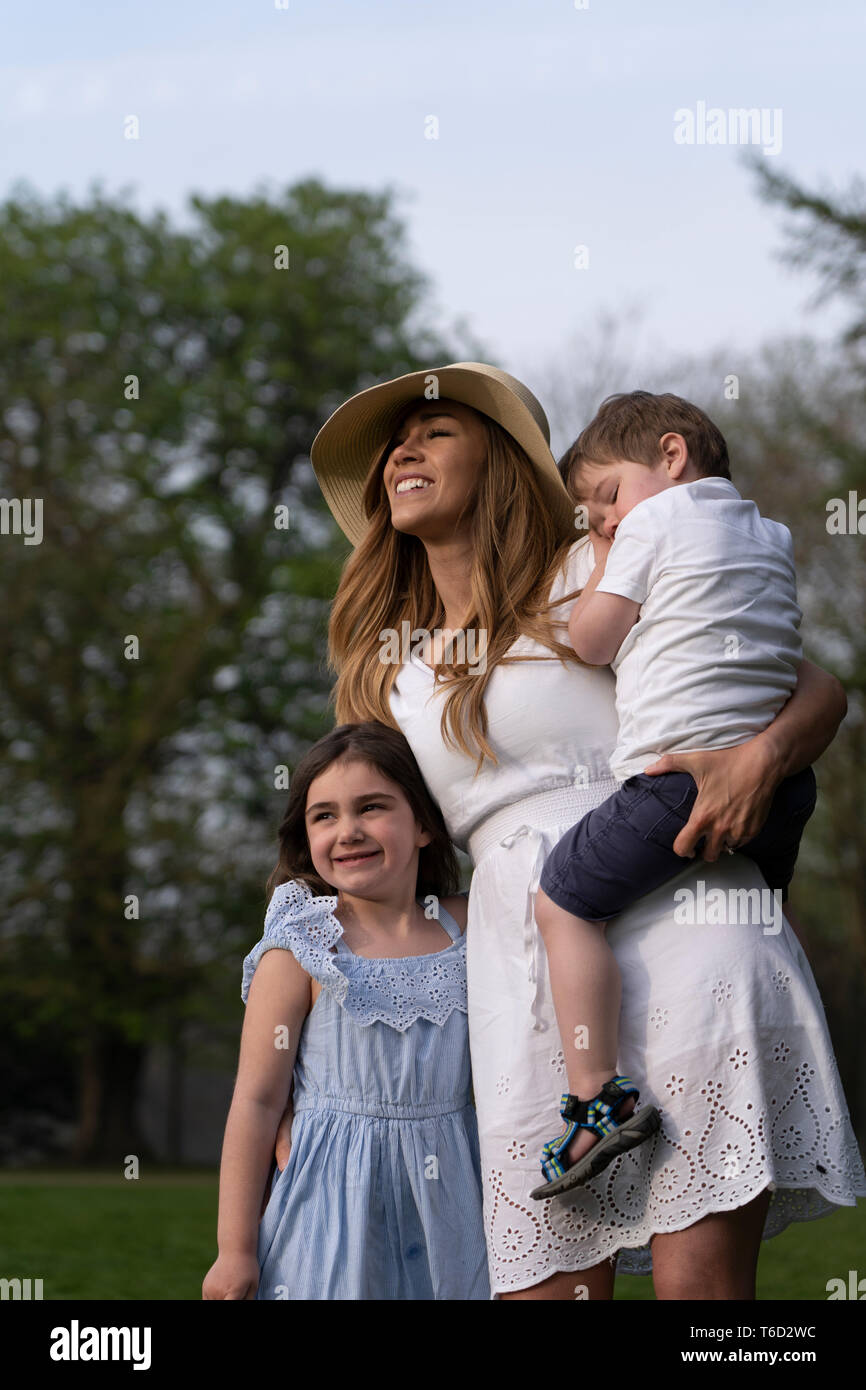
598,1112
552,1165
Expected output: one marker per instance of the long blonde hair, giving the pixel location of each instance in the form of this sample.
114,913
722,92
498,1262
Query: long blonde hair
518,546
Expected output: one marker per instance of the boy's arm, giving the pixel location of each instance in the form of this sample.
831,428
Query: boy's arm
278,1002
599,623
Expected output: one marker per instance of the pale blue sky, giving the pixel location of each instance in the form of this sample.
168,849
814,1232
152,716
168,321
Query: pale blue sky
555,130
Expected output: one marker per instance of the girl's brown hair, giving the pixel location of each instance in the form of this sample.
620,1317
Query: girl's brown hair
388,751
517,548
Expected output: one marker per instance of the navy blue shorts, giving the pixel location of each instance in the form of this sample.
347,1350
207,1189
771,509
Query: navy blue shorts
623,849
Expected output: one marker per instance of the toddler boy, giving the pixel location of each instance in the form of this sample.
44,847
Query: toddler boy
695,609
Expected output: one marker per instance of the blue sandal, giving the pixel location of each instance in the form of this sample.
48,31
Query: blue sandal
615,1136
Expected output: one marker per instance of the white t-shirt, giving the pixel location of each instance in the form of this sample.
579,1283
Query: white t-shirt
714,653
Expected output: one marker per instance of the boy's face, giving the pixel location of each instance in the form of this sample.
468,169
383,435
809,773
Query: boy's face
610,490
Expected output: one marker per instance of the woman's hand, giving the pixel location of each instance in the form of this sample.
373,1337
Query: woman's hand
232,1277
282,1149
735,789
736,785
283,1146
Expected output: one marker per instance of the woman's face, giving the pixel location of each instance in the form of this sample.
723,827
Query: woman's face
362,833
441,445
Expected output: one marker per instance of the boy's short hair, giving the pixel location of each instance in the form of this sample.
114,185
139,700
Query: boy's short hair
630,424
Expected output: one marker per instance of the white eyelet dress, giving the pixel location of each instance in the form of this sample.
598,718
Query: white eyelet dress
721,1025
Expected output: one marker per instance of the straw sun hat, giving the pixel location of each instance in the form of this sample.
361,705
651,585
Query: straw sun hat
345,446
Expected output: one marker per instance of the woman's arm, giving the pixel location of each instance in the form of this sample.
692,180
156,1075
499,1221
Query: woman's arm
277,1004
736,785
809,722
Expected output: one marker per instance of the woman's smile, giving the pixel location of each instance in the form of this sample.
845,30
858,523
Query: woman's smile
412,482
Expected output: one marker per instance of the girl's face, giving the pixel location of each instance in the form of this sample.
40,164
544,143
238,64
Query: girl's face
361,830
441,445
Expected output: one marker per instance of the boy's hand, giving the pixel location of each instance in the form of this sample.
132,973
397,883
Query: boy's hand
600,546
599,623
231,1277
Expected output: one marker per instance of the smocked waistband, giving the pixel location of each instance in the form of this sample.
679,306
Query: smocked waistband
383,1110
558,806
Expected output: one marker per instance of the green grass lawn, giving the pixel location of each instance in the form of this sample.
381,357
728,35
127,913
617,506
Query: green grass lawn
96,1236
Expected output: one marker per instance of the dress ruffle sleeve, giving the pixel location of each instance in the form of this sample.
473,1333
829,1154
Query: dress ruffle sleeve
299,922
396,991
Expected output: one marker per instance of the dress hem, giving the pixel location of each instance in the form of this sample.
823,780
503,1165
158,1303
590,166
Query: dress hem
832,1202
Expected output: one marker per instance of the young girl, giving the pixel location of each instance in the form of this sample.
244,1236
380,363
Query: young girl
358,1000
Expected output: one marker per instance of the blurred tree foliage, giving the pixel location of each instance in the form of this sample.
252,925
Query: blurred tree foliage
805,439
155,776
794,417
160,389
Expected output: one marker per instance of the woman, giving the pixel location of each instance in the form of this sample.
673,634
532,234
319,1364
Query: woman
445,484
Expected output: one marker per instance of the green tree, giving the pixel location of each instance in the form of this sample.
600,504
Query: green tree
826,236
164,643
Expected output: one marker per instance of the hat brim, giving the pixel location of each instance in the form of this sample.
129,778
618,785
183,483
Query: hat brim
345,447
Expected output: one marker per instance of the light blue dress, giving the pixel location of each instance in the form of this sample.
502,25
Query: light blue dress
381,1196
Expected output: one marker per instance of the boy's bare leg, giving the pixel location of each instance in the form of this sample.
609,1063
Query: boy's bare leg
586,988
